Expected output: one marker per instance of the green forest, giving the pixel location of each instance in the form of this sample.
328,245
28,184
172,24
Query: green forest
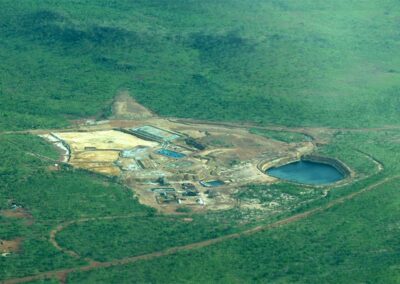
331,63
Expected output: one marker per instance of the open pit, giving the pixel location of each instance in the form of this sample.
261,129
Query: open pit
308,170
172,163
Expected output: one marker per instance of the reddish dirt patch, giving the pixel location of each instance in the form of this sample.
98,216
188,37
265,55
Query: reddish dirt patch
19,213
10,245
125,107
54,168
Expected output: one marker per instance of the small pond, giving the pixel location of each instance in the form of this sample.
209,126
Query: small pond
307,172
170,154
213,183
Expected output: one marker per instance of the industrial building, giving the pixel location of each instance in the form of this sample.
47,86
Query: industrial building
153,133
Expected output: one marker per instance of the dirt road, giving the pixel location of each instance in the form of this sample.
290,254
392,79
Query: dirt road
63,273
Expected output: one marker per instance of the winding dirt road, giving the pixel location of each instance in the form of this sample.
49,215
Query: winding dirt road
62,226
63,273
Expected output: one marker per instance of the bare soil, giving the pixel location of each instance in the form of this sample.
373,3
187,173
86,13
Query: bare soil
19,213
125,107
232,154
101,140
9,246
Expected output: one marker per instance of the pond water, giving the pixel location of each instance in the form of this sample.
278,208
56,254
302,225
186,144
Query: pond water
213,183
170,154
307,172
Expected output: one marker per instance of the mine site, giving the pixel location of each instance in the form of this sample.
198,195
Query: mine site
231,141
171,163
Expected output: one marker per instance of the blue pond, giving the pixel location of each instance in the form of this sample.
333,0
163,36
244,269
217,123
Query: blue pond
307,172
170,154
213,183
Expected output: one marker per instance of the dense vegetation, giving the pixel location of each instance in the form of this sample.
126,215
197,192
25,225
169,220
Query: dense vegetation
106,240
311,63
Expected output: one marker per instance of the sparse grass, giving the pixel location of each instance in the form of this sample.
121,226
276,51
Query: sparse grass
285,136
183,209
283,196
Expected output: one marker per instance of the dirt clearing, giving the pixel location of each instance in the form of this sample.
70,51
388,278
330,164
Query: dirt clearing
102,140
125,107
10,246
19,213
99,150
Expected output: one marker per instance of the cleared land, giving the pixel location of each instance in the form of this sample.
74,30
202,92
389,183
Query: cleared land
229,154
125,107
97,150
102,140
9,246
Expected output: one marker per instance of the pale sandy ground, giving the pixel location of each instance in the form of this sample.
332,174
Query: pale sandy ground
106,139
